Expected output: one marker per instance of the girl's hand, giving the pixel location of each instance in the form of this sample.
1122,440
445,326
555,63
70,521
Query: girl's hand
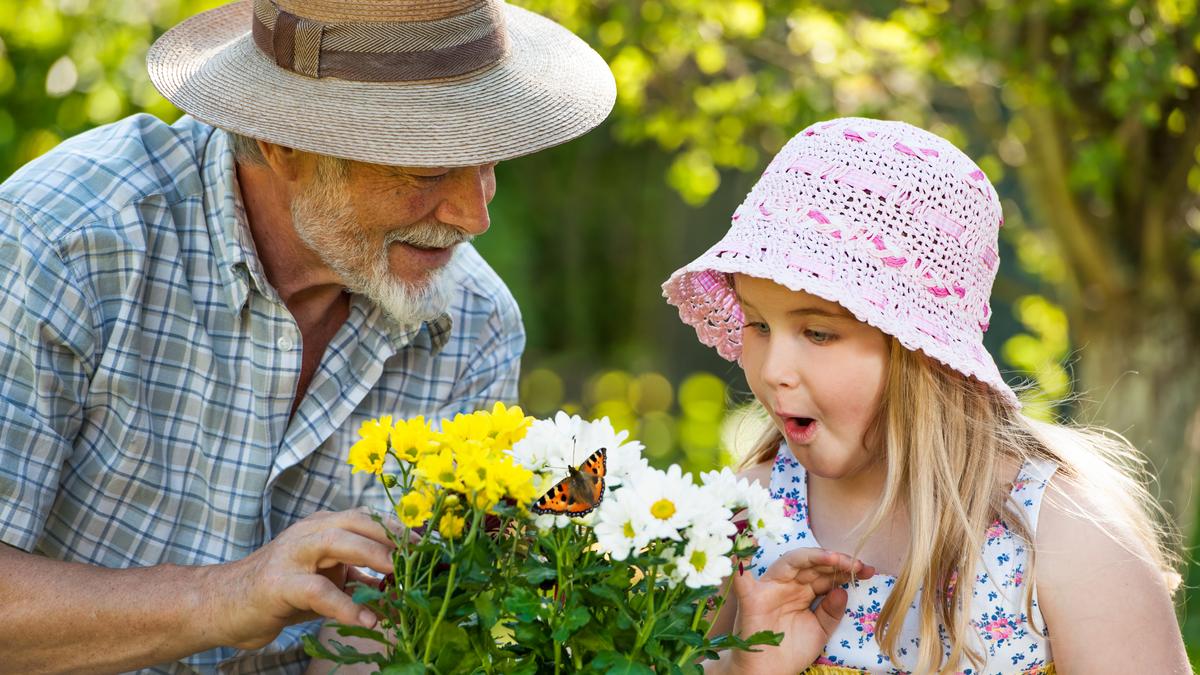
781,600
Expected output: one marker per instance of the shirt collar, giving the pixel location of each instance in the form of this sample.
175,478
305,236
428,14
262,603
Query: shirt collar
225,213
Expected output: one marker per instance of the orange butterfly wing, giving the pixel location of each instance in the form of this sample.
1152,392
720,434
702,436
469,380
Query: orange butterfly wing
580,492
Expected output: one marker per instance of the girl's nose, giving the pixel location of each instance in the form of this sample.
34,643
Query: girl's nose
781,367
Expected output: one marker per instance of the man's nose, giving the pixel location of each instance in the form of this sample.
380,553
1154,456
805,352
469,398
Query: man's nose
465,201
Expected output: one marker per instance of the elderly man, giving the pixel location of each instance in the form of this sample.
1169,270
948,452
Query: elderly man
193,324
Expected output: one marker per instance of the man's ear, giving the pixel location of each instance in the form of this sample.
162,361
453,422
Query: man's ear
289,164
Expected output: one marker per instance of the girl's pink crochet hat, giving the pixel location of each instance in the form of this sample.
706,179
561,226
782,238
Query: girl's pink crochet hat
889,221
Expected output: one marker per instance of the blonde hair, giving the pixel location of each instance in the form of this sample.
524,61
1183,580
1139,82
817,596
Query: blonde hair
950,444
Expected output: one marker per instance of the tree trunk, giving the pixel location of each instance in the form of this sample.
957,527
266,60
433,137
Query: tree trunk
1139,374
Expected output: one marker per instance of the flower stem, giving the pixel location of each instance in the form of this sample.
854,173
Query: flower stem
441,612
651,617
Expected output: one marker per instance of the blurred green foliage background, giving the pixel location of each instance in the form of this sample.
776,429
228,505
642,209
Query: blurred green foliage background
1084,113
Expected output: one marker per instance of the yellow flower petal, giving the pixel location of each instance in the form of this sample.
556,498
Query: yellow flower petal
451,525
415,508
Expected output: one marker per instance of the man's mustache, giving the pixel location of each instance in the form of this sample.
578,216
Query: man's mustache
429,234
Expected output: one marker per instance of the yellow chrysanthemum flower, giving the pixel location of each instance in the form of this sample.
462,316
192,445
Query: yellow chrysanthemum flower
371,449
516,481
415,508
476,426
451,525
411,439
438,468
508,424
477,473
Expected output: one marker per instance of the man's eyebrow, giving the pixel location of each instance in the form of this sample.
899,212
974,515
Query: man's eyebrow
838,313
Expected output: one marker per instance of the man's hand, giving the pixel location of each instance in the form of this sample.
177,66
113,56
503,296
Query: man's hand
781,600
300,575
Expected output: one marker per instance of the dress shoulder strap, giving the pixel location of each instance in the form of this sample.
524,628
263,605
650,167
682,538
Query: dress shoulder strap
1029,488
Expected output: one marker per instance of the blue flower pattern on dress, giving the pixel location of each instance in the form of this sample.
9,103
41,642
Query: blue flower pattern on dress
1012,640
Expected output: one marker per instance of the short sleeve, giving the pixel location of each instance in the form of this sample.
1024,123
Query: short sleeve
45,333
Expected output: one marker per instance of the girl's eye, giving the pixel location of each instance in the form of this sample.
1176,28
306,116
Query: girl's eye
819,336
758,327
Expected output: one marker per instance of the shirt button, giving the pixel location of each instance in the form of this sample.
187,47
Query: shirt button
285,343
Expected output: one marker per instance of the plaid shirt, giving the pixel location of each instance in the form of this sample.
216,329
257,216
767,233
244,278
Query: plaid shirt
148,368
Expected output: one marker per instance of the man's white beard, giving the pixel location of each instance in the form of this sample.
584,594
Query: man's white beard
323,220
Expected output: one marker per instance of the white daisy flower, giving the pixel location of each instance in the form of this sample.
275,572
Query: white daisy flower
704,562
666,500
710,518
766,516
619,530
548,521
549,446
726,488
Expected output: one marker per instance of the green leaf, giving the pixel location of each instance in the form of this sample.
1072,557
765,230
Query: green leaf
485,607
524,604
575,619
364,594
317,650
453,645
343,655
612,663
764,637
536,574
417,598
413,668
360,631
689,638
605,592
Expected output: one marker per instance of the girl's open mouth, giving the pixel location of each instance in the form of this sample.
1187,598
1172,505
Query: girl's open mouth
800,429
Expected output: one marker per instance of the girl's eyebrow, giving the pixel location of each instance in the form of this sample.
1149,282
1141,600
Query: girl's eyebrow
817,311
837,313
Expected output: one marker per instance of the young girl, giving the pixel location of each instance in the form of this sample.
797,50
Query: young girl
852,288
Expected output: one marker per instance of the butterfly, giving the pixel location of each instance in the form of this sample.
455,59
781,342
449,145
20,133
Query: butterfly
580,492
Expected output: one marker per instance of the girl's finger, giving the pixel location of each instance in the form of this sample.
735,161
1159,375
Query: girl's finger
831,610
739,578
796,561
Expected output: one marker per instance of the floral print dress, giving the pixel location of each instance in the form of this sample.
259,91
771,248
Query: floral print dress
1013,641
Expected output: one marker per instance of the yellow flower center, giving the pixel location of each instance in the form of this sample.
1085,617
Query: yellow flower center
628,529
699,559
663,509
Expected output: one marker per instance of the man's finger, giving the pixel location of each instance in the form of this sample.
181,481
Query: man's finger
330,547
318,594
362,521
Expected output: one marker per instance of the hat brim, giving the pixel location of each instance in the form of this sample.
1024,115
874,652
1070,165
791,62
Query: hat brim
550,88
709,305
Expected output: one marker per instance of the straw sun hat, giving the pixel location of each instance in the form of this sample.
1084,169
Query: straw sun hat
401,82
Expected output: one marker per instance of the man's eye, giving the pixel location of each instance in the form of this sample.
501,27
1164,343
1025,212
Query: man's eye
429,179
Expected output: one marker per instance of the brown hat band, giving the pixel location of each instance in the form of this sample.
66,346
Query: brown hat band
382,51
